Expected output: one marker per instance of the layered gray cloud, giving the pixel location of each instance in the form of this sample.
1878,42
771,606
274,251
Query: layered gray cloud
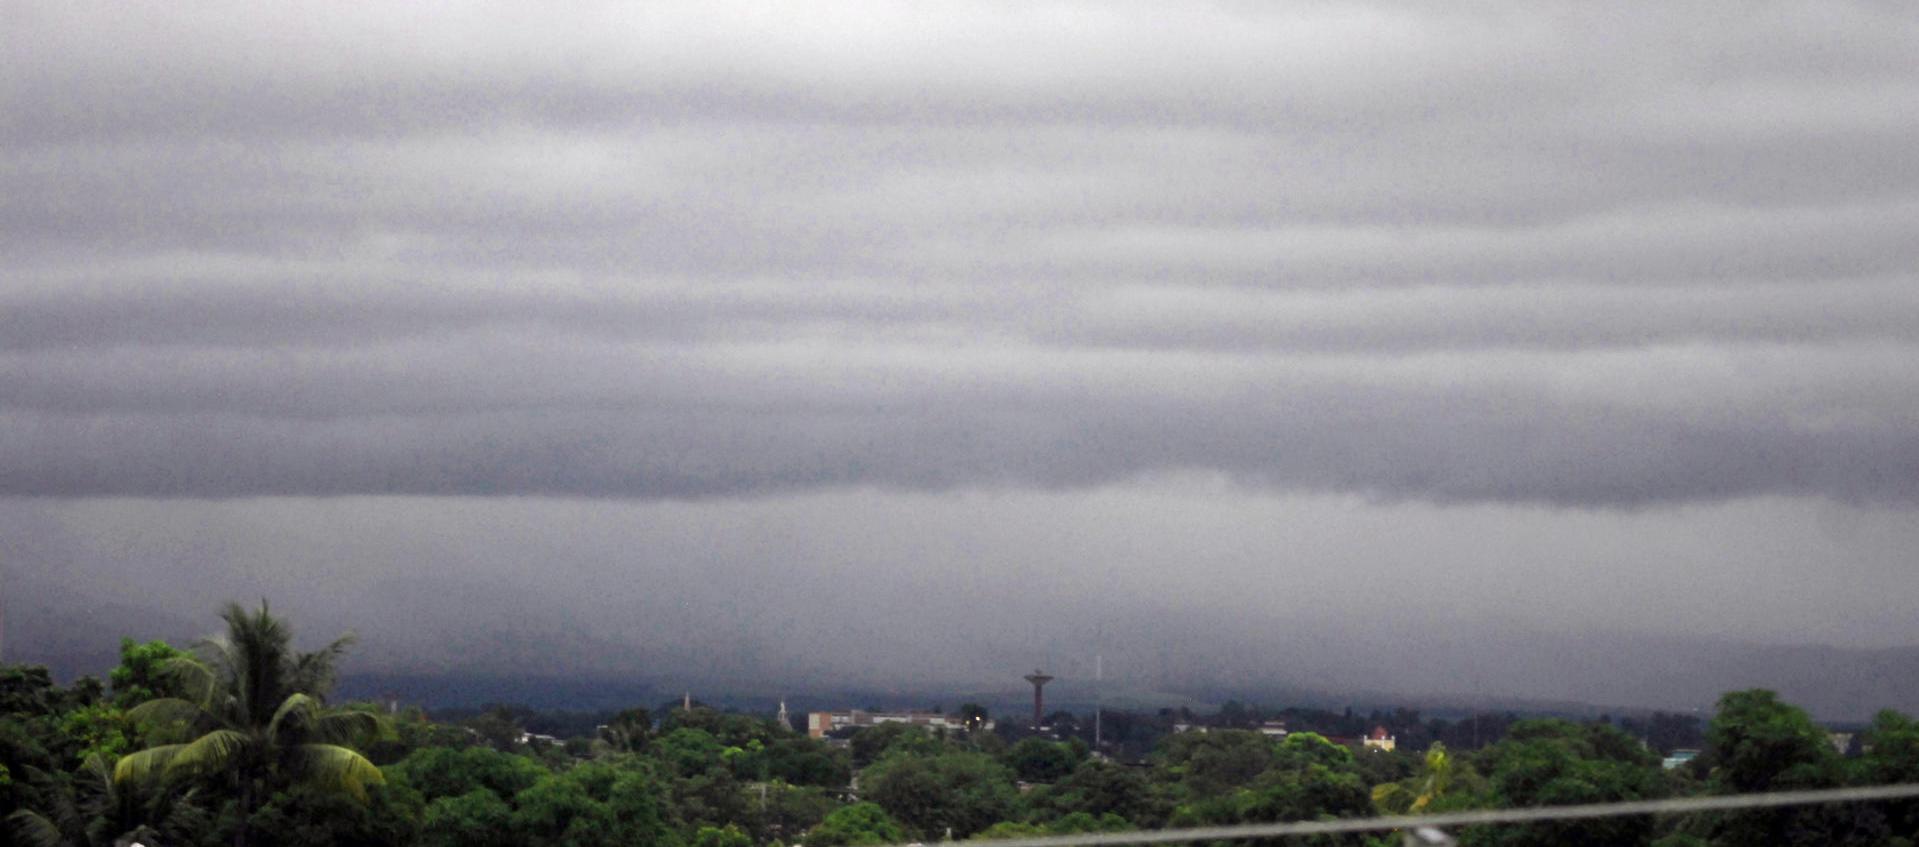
1534,254
1365,344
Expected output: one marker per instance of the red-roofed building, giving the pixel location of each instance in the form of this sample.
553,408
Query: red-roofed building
1379,739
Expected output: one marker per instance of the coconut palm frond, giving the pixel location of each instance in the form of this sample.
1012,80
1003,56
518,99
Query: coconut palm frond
213,751
147,765
222,659
61,814
348,727
165,710
96,768
337,768
35,829
93,787
313,672
59,802
149,814
263,650
157,818
185,817
196,678
296,713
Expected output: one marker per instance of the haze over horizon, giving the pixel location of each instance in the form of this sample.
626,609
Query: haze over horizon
1363,345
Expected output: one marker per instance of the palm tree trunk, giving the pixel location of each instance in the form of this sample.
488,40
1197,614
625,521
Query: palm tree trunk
246,813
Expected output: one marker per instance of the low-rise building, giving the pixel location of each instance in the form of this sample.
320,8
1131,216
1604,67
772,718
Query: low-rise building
819,724
1841,742
1379,739
1678,758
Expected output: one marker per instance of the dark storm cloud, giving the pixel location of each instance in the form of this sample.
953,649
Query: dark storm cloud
1565,255
502,418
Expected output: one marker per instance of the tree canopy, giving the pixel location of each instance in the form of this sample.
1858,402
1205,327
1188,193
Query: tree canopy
237,742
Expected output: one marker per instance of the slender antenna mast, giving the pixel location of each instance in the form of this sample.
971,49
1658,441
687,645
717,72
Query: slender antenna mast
1099,697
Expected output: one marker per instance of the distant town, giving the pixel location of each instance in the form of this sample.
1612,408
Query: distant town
237,742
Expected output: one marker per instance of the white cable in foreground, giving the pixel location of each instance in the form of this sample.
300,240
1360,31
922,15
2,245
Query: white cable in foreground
1455,819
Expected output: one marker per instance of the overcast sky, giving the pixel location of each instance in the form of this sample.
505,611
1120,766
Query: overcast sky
1558,315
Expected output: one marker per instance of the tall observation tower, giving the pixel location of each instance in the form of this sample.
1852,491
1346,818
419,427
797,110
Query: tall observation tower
1039,681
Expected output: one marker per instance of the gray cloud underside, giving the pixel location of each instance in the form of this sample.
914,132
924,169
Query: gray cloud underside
1177,581
1568,255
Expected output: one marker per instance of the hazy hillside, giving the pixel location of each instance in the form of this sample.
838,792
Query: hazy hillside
546,657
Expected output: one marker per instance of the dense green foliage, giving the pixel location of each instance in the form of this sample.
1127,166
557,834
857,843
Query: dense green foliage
249,716
235,742
1555,763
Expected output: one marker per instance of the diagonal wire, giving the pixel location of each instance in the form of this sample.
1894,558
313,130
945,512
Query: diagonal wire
1487,816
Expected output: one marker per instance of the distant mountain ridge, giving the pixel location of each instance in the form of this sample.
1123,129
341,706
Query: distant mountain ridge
1153,657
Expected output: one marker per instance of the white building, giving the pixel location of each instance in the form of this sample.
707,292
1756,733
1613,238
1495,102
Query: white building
1678,758
1379,739
818,724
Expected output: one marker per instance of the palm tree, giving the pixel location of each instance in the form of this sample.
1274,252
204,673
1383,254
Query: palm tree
1414,795
92,810
257,715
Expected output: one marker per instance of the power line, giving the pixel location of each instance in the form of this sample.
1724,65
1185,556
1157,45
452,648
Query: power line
1472,818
